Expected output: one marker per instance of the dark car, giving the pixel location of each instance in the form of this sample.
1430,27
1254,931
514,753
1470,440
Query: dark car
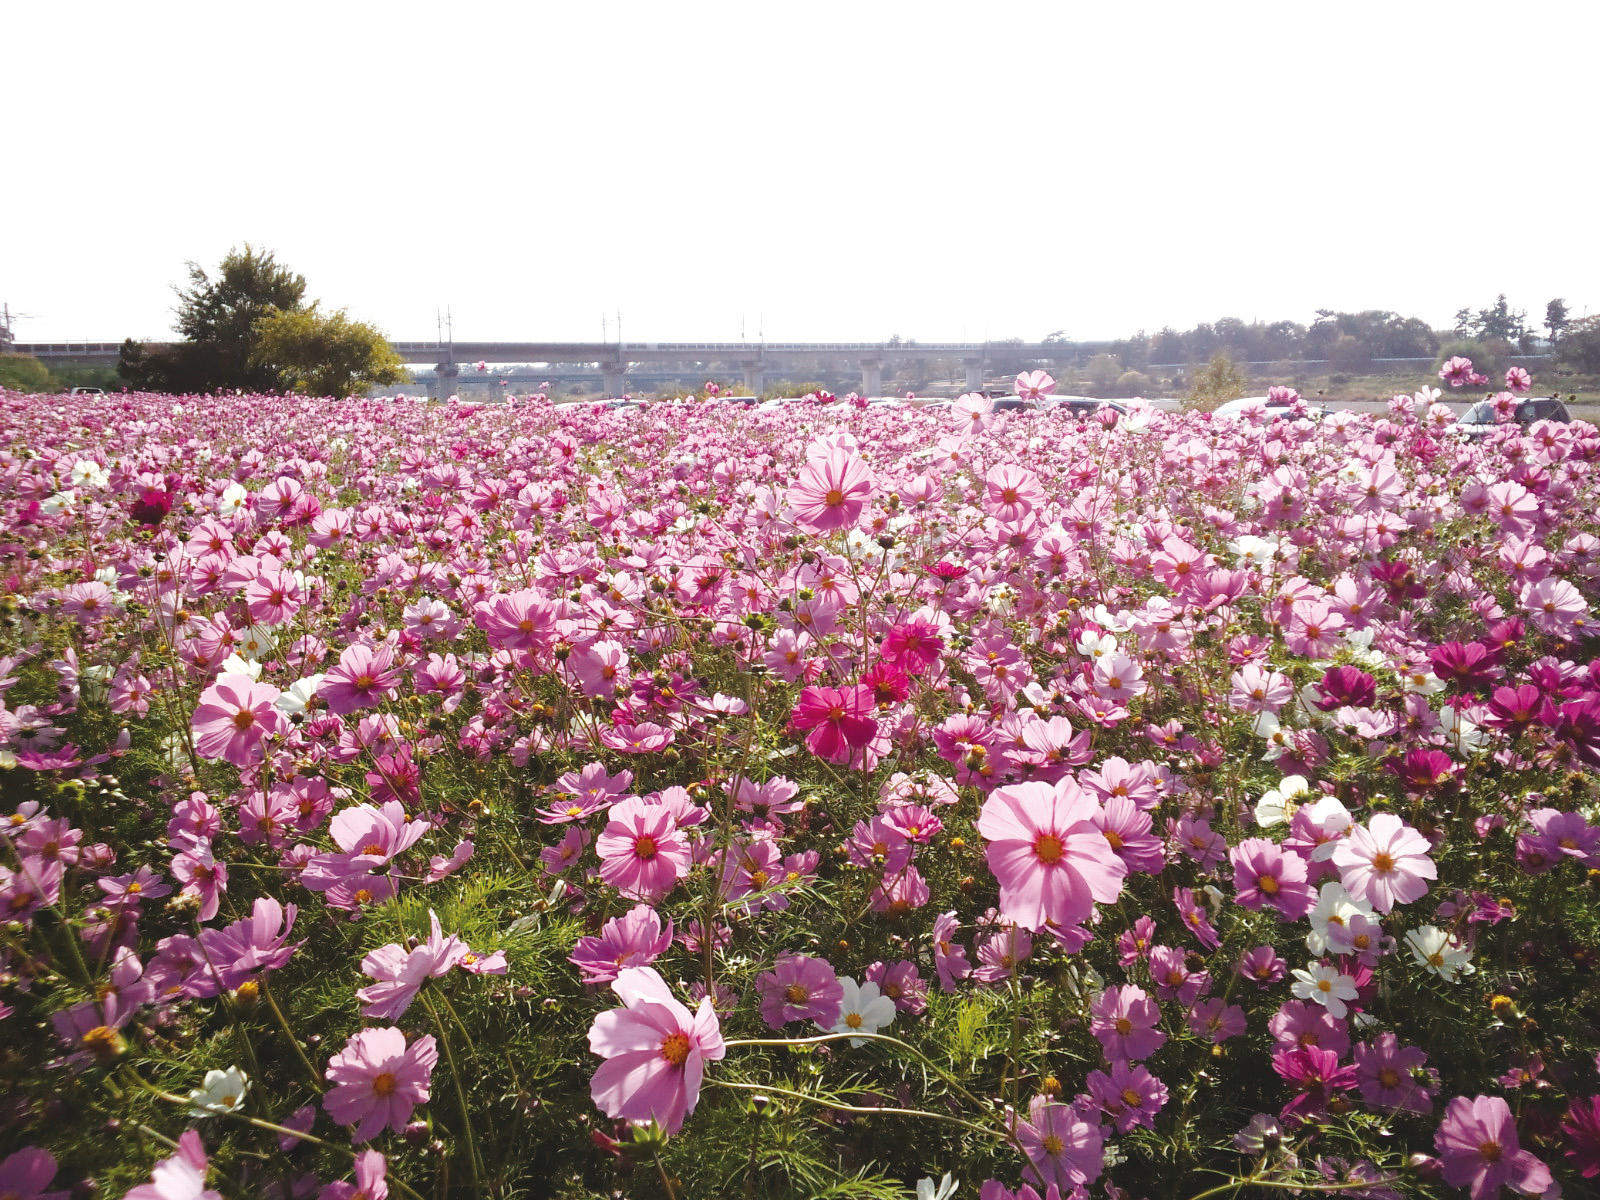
1479,421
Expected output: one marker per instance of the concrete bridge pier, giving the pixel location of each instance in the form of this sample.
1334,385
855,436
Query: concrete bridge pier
754,378
872,377
974,374
613,378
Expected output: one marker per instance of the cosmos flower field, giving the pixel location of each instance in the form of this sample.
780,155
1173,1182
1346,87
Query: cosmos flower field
408,799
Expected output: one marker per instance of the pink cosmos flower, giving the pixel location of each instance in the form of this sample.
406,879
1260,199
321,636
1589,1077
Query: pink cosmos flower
1063,1148
800,988
831,491
840,720
1051,859
1034,385
1386,863
1012,492
1128,1094
234,716
23,1175
1477,1144
1124,1019
371,1171
181,1177
378,1080
1385,1073
1457,371
364,676
1265,874
642,852
400,973
655,1052
635,939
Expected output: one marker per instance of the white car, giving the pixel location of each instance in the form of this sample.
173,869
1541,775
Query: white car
1236,410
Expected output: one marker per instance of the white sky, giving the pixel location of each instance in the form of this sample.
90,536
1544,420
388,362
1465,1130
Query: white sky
808,170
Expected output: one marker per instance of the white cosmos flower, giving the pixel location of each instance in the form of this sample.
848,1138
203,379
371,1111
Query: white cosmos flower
254,641
1096,645
1464,736
1253,550
235,499
1325,985
293,699
1335,907
1440,953
864,1009
88,473
943,1190
223,1093
1278,805
59,502
236,665
1420,682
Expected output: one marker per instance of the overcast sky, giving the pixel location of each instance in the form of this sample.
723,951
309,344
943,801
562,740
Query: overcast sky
804,171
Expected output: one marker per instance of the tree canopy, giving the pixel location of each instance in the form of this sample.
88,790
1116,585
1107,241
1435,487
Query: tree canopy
226,321
324,355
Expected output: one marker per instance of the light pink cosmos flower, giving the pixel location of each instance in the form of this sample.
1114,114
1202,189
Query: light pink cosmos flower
1051,859
1034,385
364,676
1477,1144
400,973
372,1183
1386,863
642,852
378,1080
1012,492
234,716
831,491
181,1177
655,1052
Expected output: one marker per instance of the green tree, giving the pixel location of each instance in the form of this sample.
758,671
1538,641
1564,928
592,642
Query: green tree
1579,347
1556,319
218,317
23,373
1497,323
313,354
1216,383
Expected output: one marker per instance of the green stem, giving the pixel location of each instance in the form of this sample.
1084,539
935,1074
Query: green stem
863,1112
311,1071
461,1095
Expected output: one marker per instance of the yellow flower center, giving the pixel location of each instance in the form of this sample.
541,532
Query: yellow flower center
675,1048
384,1084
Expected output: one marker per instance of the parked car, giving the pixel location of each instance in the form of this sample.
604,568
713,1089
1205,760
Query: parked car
1480,421
88,391
1084,406
1234,410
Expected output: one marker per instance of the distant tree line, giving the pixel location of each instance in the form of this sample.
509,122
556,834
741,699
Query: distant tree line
1347,340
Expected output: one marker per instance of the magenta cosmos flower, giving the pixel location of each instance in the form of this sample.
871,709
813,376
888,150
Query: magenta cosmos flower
642,852
1386,863
234,717
1477,1144
831,491
26,1173
364,676
655,1051
1051,859
800,988
840,720
378,1080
